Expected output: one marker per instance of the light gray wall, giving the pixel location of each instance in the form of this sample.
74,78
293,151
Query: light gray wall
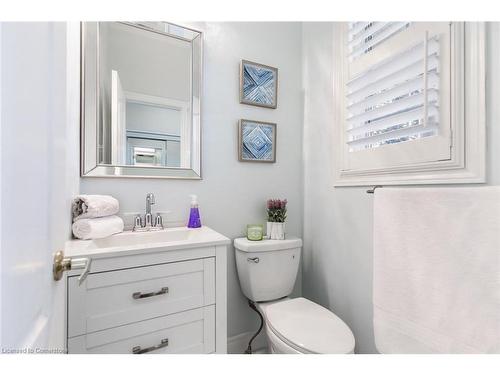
153,119
233,194
337,268
130,51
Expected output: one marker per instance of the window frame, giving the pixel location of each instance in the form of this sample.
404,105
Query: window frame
468,125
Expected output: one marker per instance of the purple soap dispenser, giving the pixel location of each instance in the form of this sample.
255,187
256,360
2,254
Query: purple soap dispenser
194,213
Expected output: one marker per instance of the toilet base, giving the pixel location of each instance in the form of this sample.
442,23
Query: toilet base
277,346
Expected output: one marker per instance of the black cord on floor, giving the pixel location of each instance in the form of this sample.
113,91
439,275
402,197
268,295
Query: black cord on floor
253,307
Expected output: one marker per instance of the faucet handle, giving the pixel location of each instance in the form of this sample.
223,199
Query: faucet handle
158,221
137,222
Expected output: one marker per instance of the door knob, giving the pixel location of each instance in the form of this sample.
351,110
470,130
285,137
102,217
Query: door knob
62,264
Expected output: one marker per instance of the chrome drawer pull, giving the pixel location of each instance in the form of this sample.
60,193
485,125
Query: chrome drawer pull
139,295
138,350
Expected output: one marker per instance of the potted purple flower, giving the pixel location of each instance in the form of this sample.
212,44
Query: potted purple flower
276,216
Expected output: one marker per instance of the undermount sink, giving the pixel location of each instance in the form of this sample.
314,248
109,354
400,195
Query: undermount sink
144,238
137,242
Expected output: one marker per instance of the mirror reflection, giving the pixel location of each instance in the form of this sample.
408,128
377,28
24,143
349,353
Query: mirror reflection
146,85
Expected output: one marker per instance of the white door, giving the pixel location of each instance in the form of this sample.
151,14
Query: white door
118,120
39,175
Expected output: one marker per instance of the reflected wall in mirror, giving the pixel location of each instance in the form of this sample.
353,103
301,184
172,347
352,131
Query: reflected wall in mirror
141,100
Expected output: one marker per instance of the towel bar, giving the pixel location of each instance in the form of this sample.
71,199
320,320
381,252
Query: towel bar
372,190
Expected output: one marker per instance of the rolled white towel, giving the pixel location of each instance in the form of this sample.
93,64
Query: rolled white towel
90,206
100,227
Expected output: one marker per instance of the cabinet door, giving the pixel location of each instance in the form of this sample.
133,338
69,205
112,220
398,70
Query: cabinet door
190,331
115,298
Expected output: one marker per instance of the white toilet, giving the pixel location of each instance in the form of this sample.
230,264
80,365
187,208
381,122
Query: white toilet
267,271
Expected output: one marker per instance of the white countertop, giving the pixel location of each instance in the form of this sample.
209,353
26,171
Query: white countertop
132,243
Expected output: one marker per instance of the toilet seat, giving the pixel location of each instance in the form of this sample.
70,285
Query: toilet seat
308,327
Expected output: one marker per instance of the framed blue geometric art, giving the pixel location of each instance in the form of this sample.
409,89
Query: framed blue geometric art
257,141
258,84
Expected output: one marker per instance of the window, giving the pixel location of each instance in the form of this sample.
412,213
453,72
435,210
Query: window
403,115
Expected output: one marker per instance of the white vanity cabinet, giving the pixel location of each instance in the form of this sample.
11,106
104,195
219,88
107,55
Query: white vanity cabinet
156,296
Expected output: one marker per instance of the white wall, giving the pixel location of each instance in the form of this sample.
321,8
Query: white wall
337,269
233,194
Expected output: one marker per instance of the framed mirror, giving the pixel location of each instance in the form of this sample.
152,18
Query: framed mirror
141,98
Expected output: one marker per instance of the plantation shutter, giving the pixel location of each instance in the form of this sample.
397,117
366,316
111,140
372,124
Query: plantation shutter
397,99
397,91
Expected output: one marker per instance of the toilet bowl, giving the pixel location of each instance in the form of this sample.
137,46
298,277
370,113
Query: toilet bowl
267,271
300,326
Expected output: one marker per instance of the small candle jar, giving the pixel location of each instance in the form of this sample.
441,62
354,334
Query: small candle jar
254,232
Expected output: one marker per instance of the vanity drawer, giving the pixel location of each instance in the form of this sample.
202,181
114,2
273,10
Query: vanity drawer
116,298
190,331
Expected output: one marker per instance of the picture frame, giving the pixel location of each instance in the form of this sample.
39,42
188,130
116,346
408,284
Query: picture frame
257,141
258,84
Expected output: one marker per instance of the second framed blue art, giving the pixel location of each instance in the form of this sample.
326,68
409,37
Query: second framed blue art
257,141
258,84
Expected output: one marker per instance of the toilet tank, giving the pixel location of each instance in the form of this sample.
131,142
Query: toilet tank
267,269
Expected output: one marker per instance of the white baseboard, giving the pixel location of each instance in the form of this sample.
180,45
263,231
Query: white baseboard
239,343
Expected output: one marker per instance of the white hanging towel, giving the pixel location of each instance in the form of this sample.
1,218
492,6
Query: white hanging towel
100,227
436,286
90,206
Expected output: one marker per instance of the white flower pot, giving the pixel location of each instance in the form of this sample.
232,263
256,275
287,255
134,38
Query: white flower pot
278,231
269,228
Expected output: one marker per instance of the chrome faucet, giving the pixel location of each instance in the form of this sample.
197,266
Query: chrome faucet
148,224
148,218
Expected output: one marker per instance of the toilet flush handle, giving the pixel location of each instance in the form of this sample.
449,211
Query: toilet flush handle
255,260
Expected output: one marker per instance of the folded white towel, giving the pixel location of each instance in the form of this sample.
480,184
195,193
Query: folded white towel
436,286
90,206
100,227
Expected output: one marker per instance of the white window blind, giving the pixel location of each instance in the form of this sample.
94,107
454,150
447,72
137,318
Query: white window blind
409,102
366,36
395,99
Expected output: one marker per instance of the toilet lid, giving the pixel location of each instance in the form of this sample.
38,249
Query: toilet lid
309,327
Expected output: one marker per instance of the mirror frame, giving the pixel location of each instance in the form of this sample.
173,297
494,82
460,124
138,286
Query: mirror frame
89,109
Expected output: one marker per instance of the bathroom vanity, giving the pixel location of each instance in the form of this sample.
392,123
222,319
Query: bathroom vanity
149,292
